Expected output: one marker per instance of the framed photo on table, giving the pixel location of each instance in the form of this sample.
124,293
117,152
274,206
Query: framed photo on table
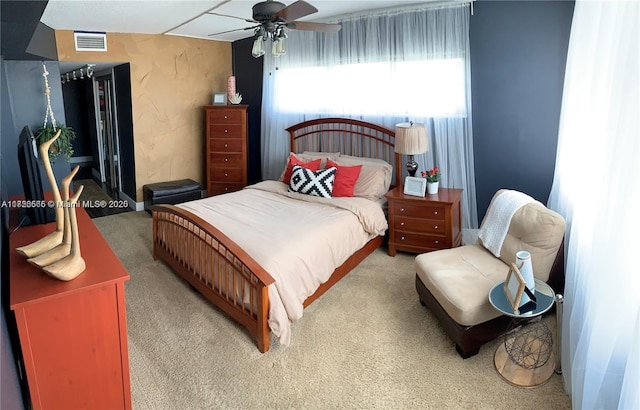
415,186
220,99
514,287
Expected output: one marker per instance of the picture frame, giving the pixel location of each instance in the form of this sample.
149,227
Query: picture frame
514,287
415,186
220,99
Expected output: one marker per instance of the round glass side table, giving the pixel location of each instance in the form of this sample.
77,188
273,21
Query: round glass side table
526,358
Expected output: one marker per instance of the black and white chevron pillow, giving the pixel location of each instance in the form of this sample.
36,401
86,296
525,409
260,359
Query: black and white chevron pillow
318,183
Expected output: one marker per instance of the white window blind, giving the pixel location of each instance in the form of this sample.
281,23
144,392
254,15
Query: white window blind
427,88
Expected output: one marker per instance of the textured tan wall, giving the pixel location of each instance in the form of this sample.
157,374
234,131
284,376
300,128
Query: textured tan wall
172,78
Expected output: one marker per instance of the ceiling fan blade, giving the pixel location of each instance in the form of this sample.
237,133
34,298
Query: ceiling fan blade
309,26
234,30
295,10
233,17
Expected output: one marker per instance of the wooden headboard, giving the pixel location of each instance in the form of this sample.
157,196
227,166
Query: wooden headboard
349,137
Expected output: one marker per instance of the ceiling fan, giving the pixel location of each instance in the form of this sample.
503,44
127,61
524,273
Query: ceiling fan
273,18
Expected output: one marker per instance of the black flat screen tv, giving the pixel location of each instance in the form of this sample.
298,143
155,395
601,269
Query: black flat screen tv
31,181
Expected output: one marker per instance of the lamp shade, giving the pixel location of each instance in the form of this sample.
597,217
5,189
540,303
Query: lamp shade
411,138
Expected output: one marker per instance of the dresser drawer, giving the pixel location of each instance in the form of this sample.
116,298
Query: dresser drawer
227,175
217,188
415,210
426,242
225,131
225,145
224,159
402,223
225,117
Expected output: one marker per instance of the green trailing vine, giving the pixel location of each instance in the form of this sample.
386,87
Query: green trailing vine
62,146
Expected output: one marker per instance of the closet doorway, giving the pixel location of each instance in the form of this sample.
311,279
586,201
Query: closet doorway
107,132
98,107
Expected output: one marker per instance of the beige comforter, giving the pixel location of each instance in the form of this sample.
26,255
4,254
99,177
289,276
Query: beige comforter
299,239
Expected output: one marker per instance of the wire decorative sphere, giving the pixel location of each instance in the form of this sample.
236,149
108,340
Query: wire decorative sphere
531,347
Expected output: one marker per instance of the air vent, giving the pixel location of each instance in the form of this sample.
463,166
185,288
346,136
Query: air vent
90,41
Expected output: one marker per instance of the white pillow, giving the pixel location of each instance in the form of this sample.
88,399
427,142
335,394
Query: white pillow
318,183
375,176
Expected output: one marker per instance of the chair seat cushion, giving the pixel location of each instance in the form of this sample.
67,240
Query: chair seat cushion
460,280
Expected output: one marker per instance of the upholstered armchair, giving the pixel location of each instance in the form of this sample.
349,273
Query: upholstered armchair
454,283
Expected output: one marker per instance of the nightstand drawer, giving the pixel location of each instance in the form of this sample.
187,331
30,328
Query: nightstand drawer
419,240
401,223
424,224
414,210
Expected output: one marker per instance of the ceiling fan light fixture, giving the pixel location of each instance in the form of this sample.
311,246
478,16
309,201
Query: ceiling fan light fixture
275,18
278,49
258,47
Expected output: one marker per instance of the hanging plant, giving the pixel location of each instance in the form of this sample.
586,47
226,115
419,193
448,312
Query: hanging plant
62,146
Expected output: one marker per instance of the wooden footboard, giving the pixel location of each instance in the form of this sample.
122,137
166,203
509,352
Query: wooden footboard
215,266
222,272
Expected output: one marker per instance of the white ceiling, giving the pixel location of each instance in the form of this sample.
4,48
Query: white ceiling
187,17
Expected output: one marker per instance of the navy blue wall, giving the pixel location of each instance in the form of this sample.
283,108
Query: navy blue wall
518,56
27,106
249,84
10,395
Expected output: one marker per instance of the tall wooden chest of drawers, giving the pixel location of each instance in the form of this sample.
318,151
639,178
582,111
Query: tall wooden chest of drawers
226,148
423,224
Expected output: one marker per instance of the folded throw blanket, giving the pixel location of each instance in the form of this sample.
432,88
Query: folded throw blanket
496,223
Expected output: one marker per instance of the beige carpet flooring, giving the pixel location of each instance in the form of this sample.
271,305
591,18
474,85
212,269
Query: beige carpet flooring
366,344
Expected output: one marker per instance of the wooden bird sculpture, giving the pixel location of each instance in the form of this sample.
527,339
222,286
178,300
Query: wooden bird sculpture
73,264
53,239
64,248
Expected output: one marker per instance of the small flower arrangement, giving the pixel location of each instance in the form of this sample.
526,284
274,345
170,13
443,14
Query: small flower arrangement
432,175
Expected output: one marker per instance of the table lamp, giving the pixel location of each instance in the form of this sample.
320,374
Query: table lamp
411,139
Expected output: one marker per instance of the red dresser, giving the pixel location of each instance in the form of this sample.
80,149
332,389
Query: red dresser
73,335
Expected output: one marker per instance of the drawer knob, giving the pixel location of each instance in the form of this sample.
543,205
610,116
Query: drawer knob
226,188
435,227
225,131
401,223
226,160
402,238
225,117
401,209
435,212
226,145
226,175
437,242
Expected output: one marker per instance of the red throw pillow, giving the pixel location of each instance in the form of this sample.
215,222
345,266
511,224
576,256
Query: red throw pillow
293,160
346,178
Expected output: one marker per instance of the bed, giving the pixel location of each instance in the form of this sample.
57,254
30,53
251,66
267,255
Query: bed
196,242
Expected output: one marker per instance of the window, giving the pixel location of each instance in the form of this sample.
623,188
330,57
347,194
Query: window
427,88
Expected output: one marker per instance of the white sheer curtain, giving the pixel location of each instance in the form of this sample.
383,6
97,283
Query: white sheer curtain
383,68
597,188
